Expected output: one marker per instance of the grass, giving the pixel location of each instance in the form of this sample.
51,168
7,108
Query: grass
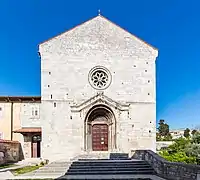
25,169
3,166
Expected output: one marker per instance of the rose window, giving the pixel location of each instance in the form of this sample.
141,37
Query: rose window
99,78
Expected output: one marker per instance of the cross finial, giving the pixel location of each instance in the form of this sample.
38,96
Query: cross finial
99,12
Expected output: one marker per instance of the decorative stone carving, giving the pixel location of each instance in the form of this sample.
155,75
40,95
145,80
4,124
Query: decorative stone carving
99,77
100,98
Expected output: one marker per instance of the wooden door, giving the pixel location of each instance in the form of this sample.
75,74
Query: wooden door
100,137
34,149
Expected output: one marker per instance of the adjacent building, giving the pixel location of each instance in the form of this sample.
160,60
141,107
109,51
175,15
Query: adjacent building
20,120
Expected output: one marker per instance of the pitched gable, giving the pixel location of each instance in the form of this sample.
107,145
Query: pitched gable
97,33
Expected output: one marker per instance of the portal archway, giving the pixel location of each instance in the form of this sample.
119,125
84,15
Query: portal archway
100,129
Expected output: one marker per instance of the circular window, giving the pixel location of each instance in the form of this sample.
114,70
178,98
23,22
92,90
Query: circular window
99,78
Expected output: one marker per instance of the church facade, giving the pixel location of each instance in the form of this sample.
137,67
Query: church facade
98,91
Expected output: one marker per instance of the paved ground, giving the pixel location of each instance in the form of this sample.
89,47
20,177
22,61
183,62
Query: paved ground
153,177
6,175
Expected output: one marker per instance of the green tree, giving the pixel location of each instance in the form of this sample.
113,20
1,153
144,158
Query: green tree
185,150
193,131
187,133
178,145
163,128
193,150
168,137
196,138
158,137
178,157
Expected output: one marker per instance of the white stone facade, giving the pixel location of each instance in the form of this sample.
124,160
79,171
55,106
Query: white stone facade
67,95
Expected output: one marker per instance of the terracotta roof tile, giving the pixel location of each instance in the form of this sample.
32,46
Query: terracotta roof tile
7,141
28,130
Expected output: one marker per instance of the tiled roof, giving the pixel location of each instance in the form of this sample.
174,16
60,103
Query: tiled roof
29,130
20,98
7,141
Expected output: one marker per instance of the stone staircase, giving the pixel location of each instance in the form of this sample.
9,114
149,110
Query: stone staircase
118,166
114,166
102,167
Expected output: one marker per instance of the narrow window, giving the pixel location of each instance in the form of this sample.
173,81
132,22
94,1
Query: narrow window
54,104
0,108
51,96
48,85
49,73
32,111
36,112
1,135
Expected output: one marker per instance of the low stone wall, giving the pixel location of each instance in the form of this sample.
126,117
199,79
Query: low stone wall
10,151
166,169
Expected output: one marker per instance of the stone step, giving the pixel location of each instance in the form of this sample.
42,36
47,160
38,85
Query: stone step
56,168
109,169
50,171
113,177
119,156
109,161
106,160
58,165
106,164
110,166
110,172
47,174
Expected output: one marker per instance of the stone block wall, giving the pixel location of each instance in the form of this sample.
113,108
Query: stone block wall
66,61
166,169
30,114
10,151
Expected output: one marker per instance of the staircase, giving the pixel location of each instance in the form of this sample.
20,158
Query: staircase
113,168
101,167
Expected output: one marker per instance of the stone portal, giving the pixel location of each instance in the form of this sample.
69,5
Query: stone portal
100,129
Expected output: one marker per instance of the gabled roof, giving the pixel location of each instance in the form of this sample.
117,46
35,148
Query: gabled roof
106,20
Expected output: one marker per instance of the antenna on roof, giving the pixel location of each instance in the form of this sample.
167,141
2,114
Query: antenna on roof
99,12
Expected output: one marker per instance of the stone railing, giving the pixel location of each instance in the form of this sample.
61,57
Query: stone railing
10,151
166,169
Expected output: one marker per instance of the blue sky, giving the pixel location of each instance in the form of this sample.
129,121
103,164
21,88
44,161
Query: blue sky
173,26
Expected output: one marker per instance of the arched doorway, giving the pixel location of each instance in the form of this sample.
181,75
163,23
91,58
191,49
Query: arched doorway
100,129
